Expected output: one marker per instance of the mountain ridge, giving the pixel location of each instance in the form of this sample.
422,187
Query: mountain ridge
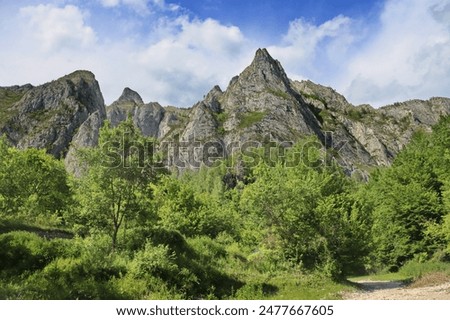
260,103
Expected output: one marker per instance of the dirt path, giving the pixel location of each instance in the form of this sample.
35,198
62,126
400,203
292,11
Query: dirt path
395,290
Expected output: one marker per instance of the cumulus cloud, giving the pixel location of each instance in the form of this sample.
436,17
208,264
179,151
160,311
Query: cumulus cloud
57,27
308,50
175,62
174,58
409,56
403,55
195,56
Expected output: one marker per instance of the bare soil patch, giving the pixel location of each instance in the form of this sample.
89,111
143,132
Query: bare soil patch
432,287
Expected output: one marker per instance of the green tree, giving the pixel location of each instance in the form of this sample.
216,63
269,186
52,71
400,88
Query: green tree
307,209
184,205
407,199
114,189
33,184
439,153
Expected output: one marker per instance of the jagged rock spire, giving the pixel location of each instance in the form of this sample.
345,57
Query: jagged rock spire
129,95
264,72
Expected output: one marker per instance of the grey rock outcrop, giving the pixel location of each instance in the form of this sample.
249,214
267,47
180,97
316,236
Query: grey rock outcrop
129,95
49,115
151,118
261,101
87,136
371,137
260,105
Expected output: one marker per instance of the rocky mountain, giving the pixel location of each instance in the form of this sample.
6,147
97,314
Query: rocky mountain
261,105
48,116
151,118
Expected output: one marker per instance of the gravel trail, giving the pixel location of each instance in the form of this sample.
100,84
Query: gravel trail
395,290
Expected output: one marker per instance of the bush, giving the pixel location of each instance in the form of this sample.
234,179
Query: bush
250,118
33,184
85,272
182,208
22,251
155,261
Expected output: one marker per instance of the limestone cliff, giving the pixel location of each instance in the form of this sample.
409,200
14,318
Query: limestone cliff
48,116
261,104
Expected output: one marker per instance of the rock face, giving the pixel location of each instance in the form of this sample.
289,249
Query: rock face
260,105
261,102
48,116
372,136
152,119
145,116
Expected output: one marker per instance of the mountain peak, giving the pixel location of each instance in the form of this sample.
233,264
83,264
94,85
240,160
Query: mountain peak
129,95
264,59
268,68
263,54
80,74
264,72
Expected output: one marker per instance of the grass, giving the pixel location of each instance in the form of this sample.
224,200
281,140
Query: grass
279,94
355,114
250,282
314,97
291,285
7,100
307,287
221,118
417,270
418,274
382,277
250,118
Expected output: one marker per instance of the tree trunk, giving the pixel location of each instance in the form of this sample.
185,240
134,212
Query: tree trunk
114,237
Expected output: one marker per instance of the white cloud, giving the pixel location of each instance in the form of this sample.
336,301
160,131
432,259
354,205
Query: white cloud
143,7
191,57
57,27
404,55
308,49
110,3
408,57
175,59
177,62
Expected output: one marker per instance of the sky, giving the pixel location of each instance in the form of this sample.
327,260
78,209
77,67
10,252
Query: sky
174,51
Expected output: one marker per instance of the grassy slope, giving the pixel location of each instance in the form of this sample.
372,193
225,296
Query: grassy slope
308,288
415,273
279,285
7,99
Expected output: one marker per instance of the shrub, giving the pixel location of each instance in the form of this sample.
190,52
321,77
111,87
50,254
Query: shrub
155,261
250,118
22,251
87,272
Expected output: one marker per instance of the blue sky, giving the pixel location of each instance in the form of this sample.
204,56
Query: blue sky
271,18
377,51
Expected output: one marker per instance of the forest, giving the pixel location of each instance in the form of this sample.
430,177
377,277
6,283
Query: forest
249,227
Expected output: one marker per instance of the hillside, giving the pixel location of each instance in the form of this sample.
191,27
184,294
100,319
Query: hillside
88,210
